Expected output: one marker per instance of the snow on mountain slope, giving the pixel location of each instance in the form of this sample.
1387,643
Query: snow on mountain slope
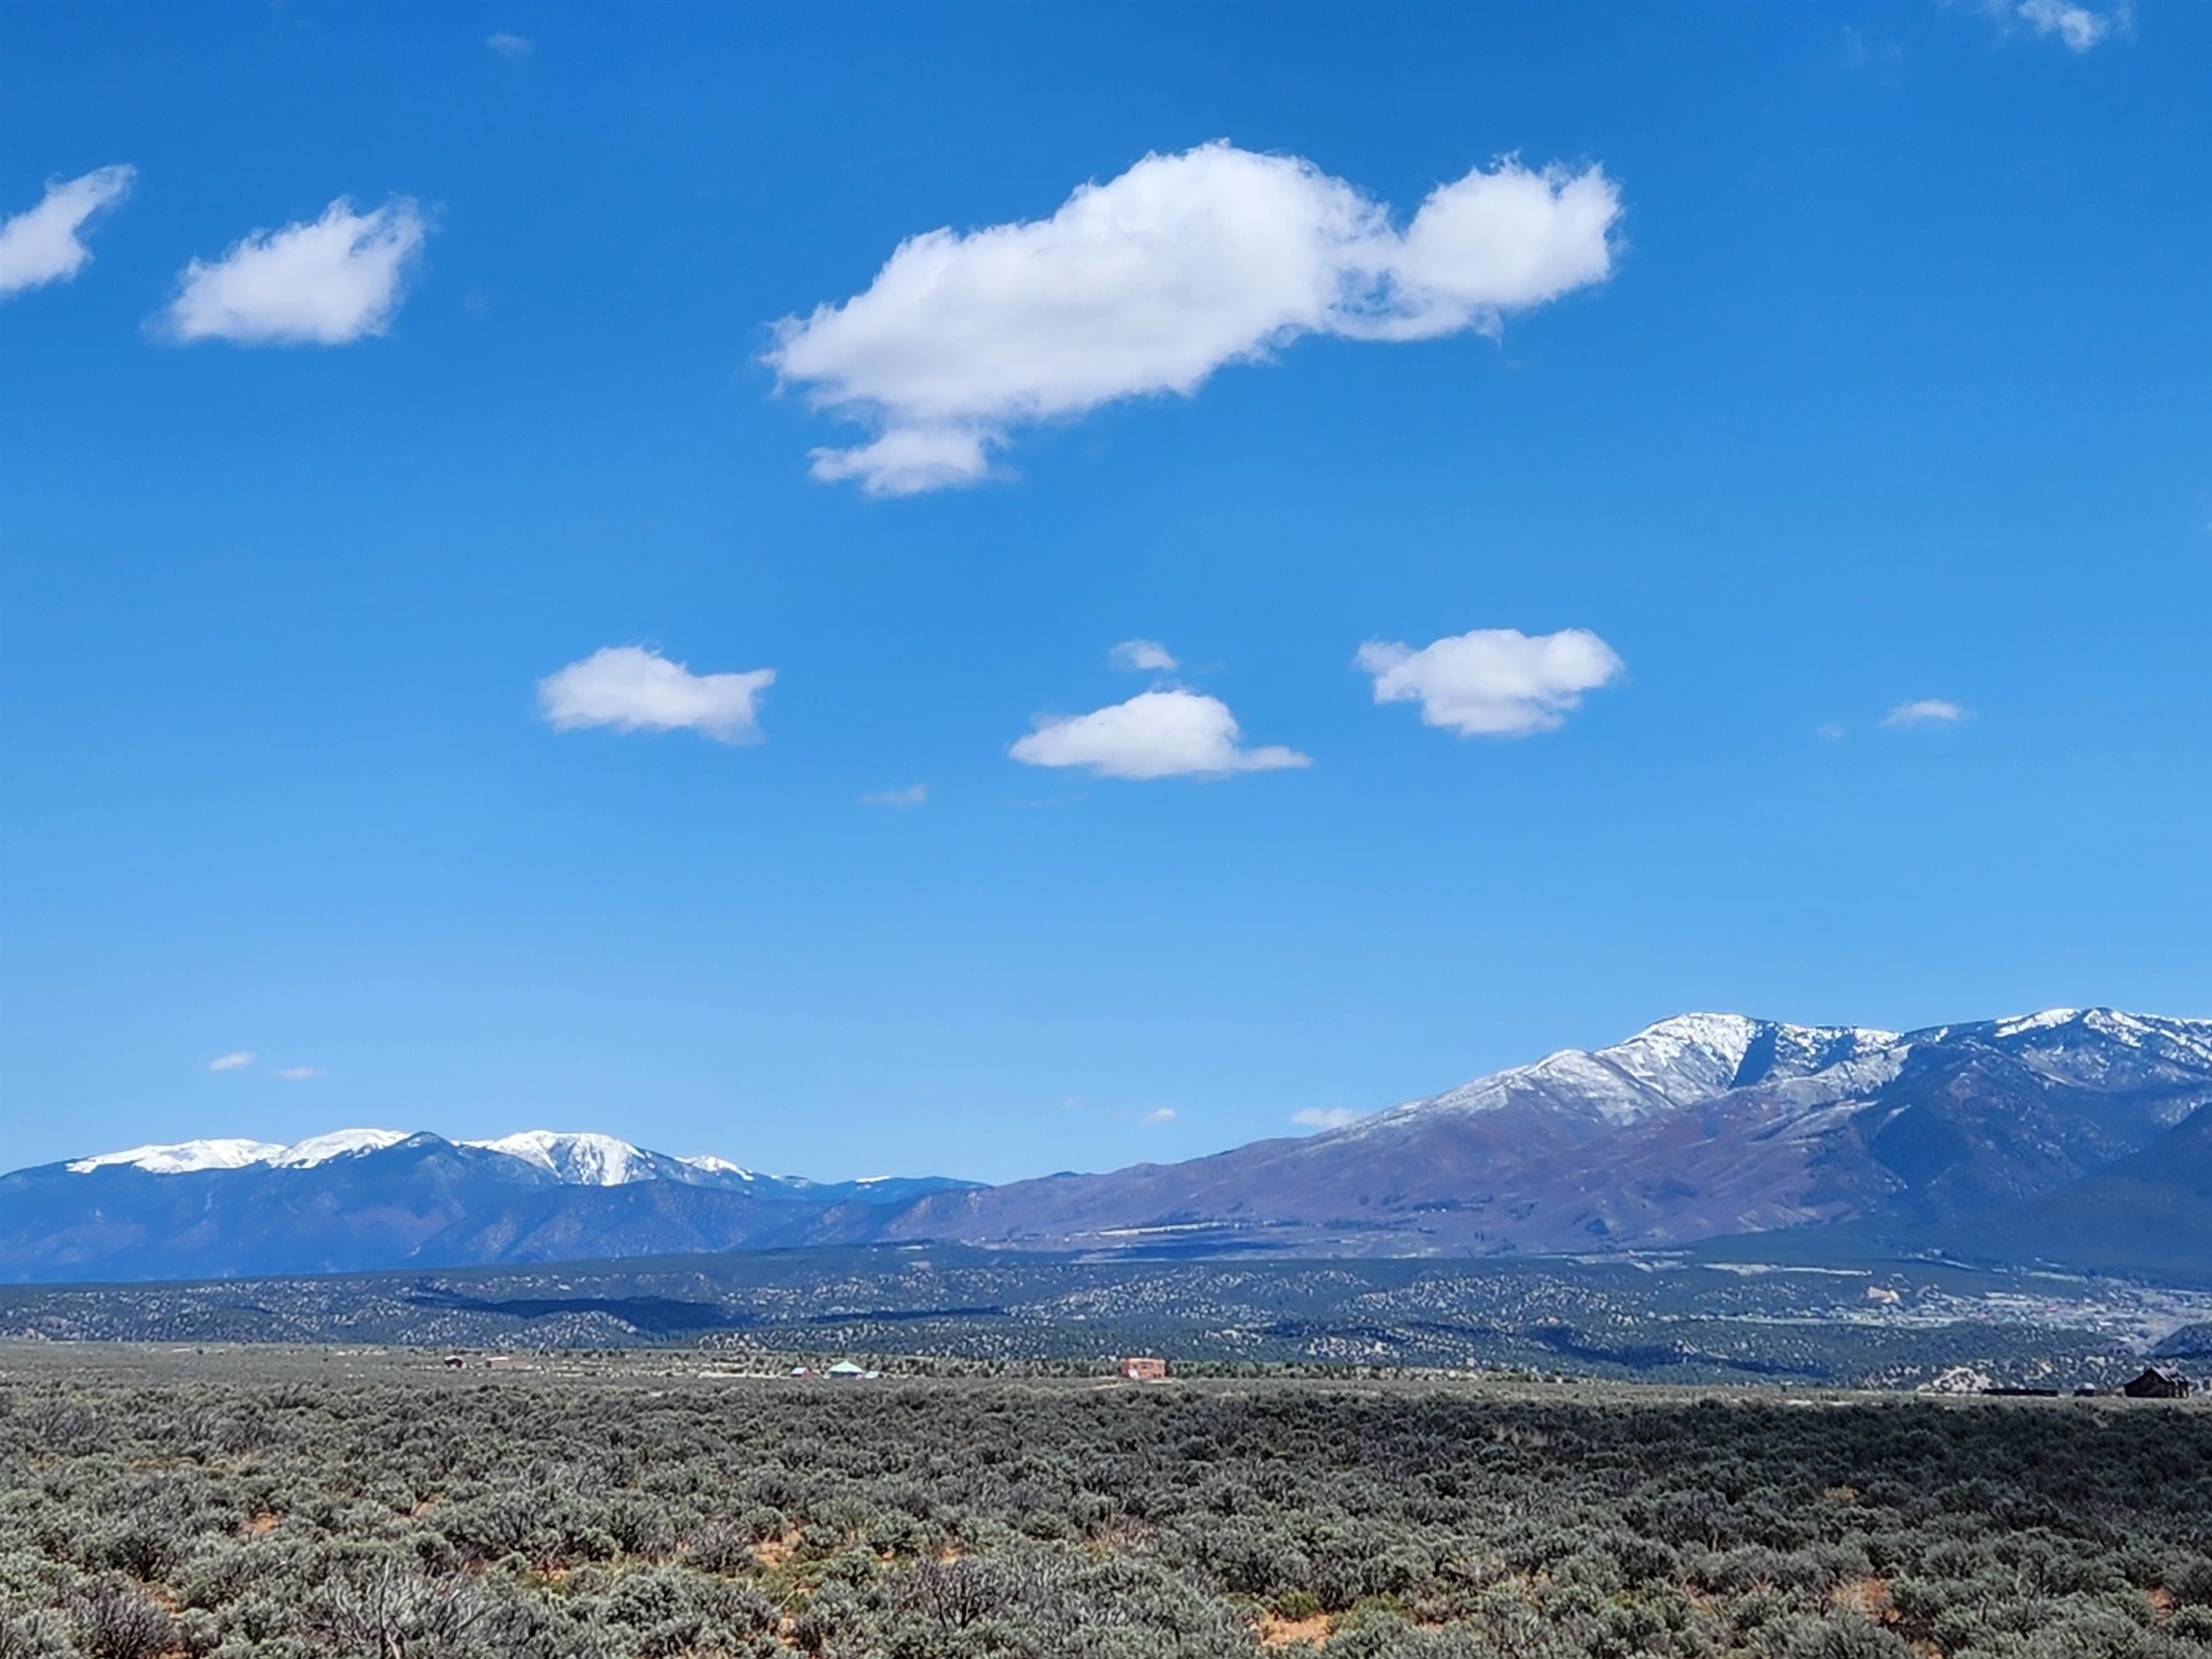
582,1160
190,1156
585,1160
183,1157
339,1143
710,1164
1677,1062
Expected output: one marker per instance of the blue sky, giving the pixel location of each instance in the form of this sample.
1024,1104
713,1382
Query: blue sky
1869,371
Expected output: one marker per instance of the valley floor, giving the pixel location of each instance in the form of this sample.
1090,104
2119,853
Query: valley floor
282,1501
1655,1317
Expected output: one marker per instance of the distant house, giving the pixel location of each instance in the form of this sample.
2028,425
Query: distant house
509,1361
846,1371
2157,1383
455,1361
1144,1368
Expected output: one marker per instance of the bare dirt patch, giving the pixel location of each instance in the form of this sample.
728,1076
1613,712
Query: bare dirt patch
1867,1597
774,1552
1277,1632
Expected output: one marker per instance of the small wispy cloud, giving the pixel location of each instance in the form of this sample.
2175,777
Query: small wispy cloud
1143,657
44,244
2080,28
236,1060
633,688
324,281
1925,711
299,1073
1829,729
1155,734
913,795
1884,58
1325,1117
510,46
1159,1114
1494,682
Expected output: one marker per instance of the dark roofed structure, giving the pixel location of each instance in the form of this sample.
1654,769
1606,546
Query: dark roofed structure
2158,1383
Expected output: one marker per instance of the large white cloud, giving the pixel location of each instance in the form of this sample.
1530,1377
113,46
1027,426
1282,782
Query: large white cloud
1494,682
1156,734
43,245
324,281
1149,282
635,690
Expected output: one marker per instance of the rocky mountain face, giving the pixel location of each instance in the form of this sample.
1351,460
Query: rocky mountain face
1699,1128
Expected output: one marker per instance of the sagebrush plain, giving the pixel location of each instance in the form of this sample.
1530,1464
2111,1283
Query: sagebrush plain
306,1502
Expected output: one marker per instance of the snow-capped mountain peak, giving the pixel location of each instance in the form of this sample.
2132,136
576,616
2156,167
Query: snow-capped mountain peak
339,1143
183,1157
2043,1021
1677,1062
707,1163
188,1157
581,1160
1685,1057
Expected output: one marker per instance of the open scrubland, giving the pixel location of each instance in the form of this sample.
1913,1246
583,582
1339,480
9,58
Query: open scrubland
297,1502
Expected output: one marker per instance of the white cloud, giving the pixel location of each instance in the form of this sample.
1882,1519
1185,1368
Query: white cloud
41,244
908,461
635,690
1829,729
1925,711
299,1073
1159,1114
1494,682
914,794
1156,734
1325,1117
510,46
336,279
237,1060
1144,657
1151,281
2080,27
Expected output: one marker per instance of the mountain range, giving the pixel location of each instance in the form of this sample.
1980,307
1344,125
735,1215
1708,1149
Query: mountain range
2078,1137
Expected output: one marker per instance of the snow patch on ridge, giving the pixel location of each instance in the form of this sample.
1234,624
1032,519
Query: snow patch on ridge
587,1160
339,1143
2048,1017
707,1163
188,1157
582,1160
183,1157
1681,1061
